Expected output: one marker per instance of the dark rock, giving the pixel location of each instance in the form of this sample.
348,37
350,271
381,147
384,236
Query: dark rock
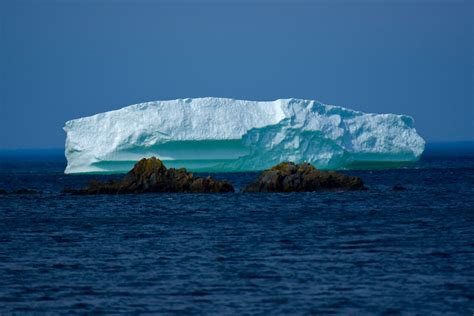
398,187
25,191
2,191
151,175
290,177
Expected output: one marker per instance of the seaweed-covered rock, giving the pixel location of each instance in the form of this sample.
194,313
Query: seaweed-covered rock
290,177
151,175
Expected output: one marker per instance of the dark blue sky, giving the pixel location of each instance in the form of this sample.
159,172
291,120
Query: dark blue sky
61,60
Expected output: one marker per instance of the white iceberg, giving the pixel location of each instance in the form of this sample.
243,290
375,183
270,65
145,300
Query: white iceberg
221,135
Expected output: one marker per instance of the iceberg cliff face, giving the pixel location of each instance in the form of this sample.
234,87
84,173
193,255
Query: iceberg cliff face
219,134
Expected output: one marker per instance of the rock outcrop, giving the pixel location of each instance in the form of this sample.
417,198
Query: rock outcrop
290,177
151,175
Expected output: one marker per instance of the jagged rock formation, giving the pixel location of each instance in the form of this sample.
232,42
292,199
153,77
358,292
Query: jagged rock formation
151,175
290,177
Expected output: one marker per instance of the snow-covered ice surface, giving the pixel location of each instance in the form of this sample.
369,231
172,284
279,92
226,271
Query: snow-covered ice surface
220,134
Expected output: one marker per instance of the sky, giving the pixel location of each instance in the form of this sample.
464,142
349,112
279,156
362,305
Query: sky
61,60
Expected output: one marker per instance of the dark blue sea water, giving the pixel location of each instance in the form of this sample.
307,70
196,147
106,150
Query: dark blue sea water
374,252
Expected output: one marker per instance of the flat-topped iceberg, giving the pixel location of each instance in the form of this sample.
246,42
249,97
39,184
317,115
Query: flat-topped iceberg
220,134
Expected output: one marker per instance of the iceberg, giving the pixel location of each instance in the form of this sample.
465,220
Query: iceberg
227,135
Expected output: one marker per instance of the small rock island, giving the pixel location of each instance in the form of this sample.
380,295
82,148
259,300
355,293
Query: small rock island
151,175
303,177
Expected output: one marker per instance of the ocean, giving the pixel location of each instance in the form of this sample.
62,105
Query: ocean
372,252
